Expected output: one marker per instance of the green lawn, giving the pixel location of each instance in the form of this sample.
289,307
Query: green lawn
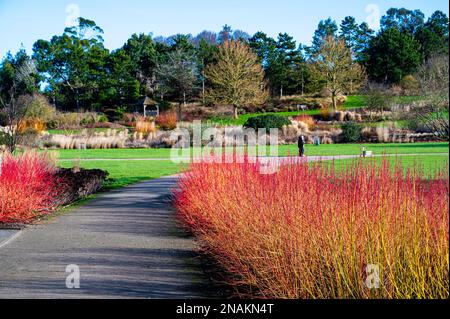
122,173
430,164
125,172
322,150
244,117
354,149
352,102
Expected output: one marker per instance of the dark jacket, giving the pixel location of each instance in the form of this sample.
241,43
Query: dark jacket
301,141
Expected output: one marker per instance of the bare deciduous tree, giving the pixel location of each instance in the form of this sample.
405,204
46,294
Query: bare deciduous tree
334,65
434,80
10,102
433,76
376,98
178,76
237,78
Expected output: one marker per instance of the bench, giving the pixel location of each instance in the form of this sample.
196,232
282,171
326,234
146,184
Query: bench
366,153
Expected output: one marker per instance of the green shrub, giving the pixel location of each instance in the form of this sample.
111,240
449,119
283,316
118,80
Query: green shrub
3,119
6,139
409,83
351,133
87,120
69,119
38,107
52,124
102,118
267,121
115,114
119,112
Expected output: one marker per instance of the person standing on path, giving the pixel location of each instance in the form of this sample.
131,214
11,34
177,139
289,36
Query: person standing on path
301,146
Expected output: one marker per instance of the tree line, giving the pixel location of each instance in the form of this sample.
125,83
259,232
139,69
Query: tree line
76,72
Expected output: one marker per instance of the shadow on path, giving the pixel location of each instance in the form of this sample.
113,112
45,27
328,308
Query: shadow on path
126,244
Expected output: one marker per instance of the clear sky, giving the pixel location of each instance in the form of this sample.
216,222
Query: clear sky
24,22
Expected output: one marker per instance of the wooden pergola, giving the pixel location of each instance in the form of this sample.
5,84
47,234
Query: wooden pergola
150,103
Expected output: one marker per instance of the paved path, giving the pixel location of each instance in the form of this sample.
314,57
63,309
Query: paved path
126,244
282,158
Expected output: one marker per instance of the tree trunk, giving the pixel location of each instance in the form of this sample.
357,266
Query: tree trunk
235,109
281,92
179,112
333,100
184,98
203,91
303,84
77,100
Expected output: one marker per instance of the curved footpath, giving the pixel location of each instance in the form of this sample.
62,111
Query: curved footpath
310,158
126,244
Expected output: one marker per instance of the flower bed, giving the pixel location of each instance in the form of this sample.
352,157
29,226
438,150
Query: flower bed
311,232
76,184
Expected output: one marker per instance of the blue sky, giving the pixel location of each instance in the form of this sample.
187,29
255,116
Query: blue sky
23,22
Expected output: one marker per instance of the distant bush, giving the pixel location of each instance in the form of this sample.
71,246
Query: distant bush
167,121
5,138
351,133
267,121
38,107
409,84
307,119
69,119
144,125
76,119
35,124
3,119
102,118
52,124
29,137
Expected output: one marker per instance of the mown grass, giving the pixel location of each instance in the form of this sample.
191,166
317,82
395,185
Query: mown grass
123,173
244,117
352,102
358,101
379,149
284,150
430,164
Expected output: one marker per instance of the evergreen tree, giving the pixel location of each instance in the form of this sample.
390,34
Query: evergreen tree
392,55
326,28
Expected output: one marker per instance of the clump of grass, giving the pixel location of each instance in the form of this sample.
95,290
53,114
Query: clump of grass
144,125
311,231
167,121
99,140
32,123
307,119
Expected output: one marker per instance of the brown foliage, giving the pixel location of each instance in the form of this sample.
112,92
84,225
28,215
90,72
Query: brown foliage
237,78
333,64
